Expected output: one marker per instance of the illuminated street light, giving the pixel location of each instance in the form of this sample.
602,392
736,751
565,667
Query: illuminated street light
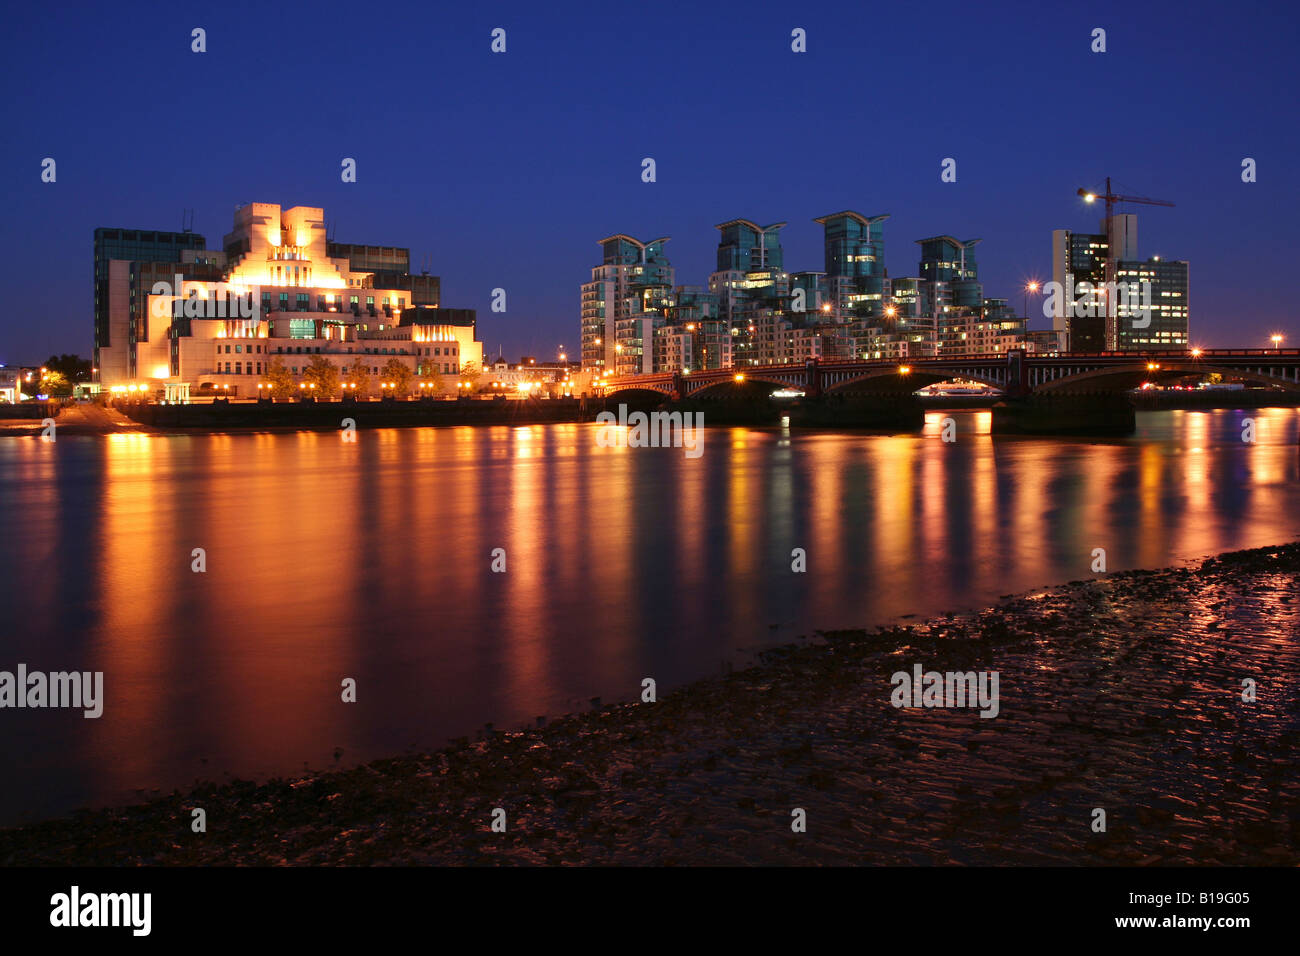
904,369
740,376
1196,353
1031,288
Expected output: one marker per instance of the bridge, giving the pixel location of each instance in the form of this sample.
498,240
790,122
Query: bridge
1017,373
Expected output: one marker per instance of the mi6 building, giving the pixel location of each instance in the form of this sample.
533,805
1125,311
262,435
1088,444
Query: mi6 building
172,314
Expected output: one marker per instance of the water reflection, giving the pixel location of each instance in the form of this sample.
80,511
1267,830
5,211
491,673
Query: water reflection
372,560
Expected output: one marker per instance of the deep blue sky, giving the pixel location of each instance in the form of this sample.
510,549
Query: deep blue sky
507,169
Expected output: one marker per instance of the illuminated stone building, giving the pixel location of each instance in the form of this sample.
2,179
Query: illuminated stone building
213,321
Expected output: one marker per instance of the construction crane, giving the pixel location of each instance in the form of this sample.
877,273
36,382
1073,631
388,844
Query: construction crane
1111,198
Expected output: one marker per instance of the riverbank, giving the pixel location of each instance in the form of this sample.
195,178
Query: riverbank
1122,693
886,414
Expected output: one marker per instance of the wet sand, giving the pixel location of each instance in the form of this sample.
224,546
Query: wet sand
1123,693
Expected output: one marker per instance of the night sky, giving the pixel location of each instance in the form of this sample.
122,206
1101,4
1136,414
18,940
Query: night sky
507,169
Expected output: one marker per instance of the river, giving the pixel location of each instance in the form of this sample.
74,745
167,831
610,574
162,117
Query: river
373,560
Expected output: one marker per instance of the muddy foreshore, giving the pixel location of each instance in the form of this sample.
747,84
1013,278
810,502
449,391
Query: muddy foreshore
1122,693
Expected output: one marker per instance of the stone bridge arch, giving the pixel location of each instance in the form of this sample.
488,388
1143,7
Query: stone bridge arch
752,382
1124,377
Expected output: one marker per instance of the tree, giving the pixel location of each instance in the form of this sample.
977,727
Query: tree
359,375
73,367
324,374
280,379
469,373
432,377
55,383
399,374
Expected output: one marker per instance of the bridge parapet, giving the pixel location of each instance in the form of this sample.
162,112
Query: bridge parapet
1017,372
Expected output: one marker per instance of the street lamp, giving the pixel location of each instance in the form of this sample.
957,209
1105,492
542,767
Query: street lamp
1277,340
1030,287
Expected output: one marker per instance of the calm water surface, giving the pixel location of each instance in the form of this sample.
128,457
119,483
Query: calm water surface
328,560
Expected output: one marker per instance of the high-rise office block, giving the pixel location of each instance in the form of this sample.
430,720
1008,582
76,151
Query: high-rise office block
750,283
1145,308
114,318
634,277
951,275
854,257
1158,320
